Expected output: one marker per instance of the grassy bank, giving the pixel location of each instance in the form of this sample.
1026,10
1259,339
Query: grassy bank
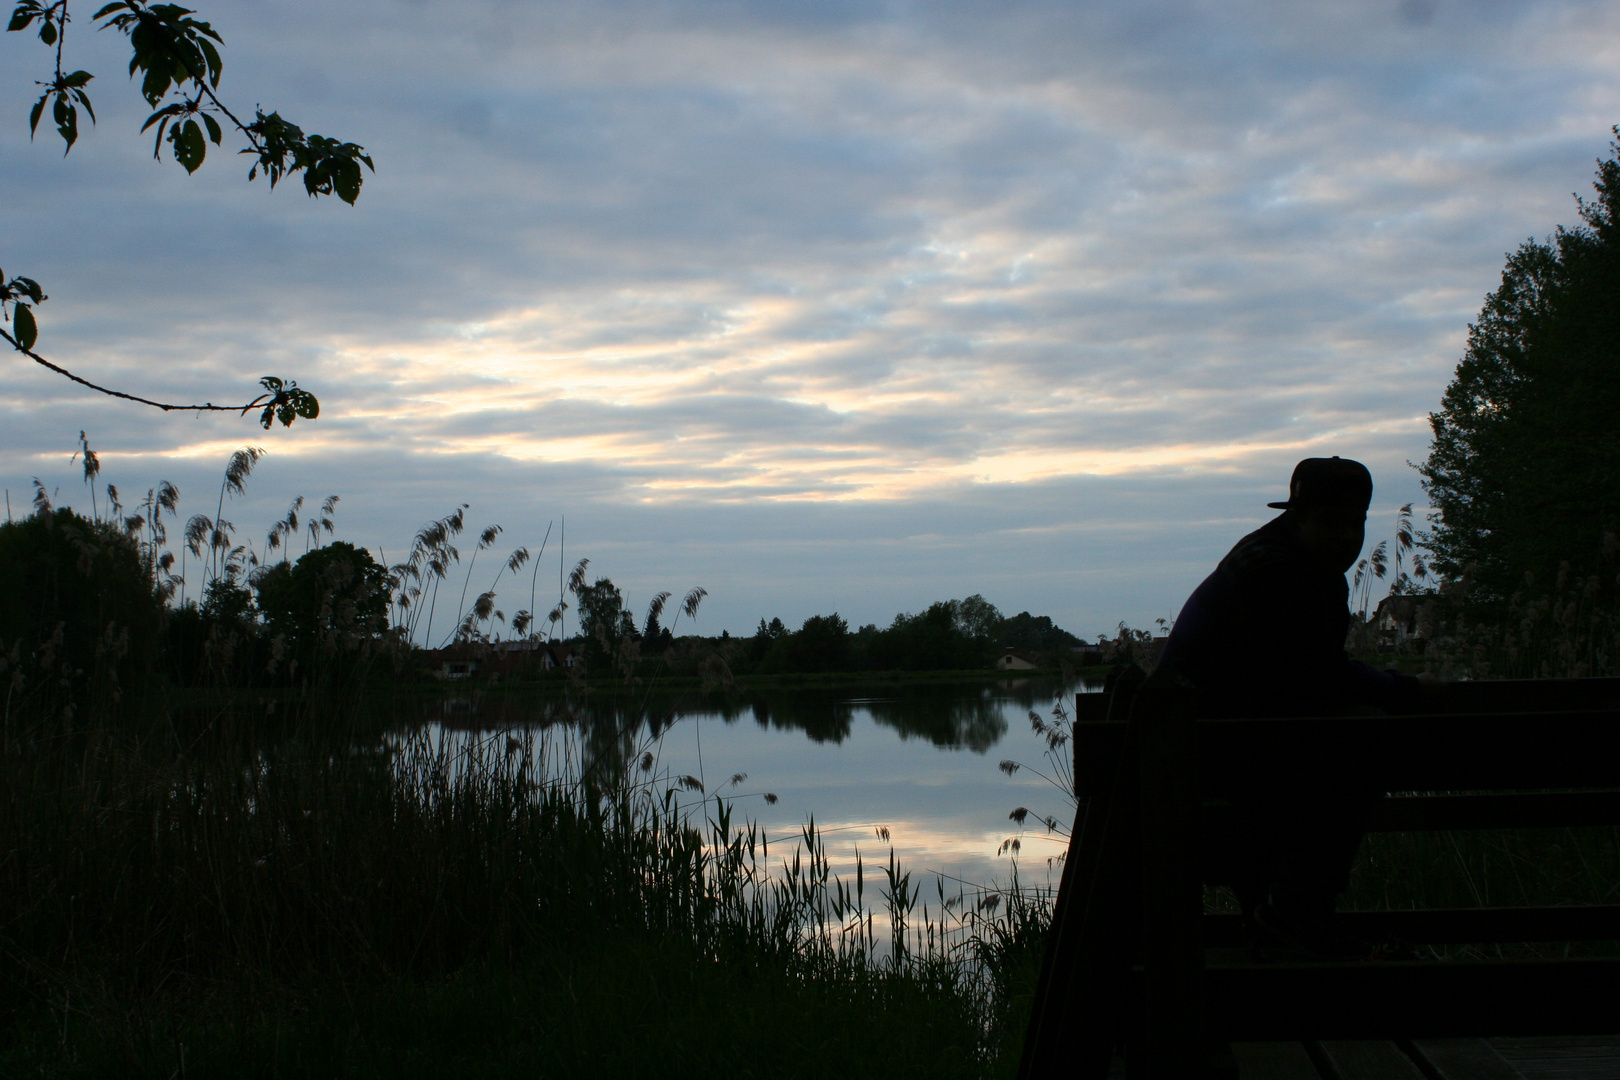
199,892
619,1007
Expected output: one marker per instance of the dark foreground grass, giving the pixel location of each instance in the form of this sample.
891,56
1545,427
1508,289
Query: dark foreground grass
188,894
609,1008
232,890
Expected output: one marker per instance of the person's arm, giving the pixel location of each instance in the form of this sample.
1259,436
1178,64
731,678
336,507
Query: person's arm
1434,693
1391,690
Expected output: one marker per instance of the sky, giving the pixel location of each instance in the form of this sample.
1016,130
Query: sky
819,306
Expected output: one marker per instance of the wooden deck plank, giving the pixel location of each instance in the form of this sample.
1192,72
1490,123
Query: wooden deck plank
1562,1058
1368,1059
1465,1059
1273,1061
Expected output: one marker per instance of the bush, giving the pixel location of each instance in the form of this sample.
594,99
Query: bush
337,589
78,594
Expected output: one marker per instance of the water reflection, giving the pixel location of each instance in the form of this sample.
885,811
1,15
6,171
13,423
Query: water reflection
819,741
955,716
877,767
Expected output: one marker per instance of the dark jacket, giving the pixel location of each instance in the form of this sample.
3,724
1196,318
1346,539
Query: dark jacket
1264,636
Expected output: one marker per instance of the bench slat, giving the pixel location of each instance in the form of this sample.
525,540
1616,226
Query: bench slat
1444,752
1497,695
1534,695
1420,1000
1449,752
1454,926
1574,809
1420,813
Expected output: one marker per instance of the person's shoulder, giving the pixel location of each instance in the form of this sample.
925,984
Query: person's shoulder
1273,548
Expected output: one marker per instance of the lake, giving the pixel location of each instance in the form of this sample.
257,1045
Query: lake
915,767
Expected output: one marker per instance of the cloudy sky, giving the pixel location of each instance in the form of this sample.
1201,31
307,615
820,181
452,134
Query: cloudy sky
822,306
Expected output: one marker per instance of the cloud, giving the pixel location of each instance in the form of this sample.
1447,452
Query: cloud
847,269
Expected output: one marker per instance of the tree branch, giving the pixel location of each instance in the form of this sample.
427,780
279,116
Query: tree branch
271,401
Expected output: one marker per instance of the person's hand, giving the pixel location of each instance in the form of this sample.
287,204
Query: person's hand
1433,692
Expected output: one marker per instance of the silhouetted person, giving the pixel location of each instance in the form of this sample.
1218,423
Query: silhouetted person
1264,636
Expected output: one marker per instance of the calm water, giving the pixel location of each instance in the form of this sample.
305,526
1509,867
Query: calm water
918,765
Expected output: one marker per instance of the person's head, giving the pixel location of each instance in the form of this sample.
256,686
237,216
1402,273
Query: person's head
1328,500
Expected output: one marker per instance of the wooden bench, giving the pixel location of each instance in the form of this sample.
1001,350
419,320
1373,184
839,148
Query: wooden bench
1134,961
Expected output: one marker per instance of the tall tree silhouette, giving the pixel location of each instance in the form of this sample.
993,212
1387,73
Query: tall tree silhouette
1524,467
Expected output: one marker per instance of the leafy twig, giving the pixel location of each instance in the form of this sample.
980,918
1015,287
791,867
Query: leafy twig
282,401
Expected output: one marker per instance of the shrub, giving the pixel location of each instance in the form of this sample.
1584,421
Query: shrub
78,594
337,589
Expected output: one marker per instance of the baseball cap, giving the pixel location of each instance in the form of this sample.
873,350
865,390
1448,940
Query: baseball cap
1329,481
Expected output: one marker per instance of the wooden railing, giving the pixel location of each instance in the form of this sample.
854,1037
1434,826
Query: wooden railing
1134,963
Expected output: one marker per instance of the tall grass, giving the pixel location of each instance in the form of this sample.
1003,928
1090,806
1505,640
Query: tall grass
1566,628
202,884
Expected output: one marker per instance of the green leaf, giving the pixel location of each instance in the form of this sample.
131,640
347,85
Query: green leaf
77,79
189,147
215,67
35,113
213,128
27,329
168,110
156,83
67,121
47,33
286,403
116,5
84,99
20,19
347,182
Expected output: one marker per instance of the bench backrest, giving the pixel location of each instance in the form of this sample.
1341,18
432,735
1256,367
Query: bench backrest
1131,895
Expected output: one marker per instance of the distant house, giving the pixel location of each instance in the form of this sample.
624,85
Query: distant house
453,662
560,656
1089,655
1397,619
463,661
1142,650
1013,660
548,654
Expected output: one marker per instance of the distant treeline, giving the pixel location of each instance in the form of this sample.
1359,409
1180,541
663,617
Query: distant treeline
95,594
950,635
